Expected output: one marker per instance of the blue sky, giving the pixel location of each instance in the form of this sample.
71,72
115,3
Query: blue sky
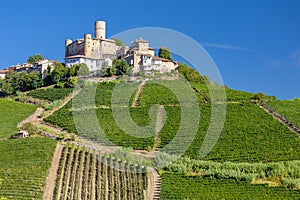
255,44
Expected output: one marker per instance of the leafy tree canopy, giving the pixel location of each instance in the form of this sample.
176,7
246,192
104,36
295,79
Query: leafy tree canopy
164,52
83,70
35,58
191,74
121,66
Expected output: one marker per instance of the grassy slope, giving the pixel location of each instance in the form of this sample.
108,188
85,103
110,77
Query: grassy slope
11,113
249,135
24,165
50,94
288,108
177,186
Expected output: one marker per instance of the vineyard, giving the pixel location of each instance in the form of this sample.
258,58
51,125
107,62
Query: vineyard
83,174
178,186
287,108
9,121
50,94
249,134
24,166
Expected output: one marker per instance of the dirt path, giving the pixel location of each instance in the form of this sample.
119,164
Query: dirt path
160,119
154,185
51,177
35,117
281,119
135,103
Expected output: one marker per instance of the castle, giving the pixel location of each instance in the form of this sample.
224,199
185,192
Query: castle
95,51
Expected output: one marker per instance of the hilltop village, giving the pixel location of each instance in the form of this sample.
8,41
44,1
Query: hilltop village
98,51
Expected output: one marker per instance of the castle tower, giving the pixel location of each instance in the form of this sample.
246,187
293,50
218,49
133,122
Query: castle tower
100,29
87,45
67,43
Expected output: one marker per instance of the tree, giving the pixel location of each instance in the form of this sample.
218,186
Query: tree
34,58
7,88
83,70
23,81
58,72
164,52
121,66
118,41
74,70
105,69
191,74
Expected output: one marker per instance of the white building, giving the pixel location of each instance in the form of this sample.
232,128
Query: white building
42,66
3,73
92,63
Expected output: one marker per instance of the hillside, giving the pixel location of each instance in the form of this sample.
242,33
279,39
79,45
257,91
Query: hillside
250,136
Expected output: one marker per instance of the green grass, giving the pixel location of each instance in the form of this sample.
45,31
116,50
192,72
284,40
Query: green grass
11,113
178,186
50,94
24,165
288,108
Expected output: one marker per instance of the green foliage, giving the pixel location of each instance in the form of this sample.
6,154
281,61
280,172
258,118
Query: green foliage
52,105
287,108
71,82
178,186
23,81
118,41
289,170
83,70
35,58
121,66
51,94
107,70
191,74
11,113
259,97
164,52
249,135
24,166
30,128
74,70
58,72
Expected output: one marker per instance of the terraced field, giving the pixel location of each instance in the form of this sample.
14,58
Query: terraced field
11,113
178,186
50,94
24,164
290,109
249,134
85,175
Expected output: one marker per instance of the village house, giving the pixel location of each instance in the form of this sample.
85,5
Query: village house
40,67
95,51
23,134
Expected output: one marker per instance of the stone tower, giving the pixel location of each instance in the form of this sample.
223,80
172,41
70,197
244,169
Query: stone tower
67,43
100,29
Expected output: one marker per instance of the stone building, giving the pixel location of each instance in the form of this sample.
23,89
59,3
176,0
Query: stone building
92,51
142,57
40,66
